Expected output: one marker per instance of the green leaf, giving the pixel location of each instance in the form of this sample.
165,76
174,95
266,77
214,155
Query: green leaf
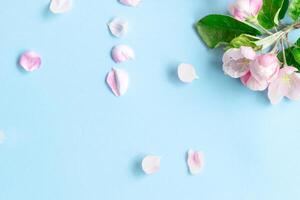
289,58
298,42
220,29
294,9
244,40
284,9
296,54
269,15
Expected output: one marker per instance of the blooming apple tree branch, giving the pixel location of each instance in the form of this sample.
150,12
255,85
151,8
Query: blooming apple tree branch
257,48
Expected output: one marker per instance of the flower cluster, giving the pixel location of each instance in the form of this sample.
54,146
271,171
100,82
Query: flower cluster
258,51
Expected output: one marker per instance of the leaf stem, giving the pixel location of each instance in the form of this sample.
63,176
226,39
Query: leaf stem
283,52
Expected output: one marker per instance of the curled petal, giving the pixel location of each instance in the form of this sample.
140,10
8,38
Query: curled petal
151,164
118,81
132,3
60,6
195,161
186,73
2,136
118,27
30,61
122,53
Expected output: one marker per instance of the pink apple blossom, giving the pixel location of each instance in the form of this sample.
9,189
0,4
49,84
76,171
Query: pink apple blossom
265,68
245,9
287,84
236,61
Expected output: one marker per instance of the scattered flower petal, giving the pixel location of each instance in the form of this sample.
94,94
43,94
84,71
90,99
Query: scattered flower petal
122,53
2,136
60,6
187,73
30,61
118,81
132,3
118,27
151,164
195,161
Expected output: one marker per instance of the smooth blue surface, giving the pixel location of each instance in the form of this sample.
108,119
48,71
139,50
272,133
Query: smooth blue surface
69,138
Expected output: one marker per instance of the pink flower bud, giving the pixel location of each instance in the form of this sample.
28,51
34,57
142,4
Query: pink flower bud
245,9
265,67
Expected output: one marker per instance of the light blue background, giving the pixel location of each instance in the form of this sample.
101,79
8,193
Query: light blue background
69,138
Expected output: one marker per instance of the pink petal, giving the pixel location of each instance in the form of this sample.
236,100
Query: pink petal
131,3
118,27
248,52
294,90
186,73
118,81
249,81
195,162
233,53
60,6
277,90
151,164
30,61
122,53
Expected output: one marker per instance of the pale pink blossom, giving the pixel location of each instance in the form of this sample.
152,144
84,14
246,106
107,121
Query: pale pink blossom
287,84
236,61
122,53
249,81
151,164
245,9
265,68
132,3
195,161
30,61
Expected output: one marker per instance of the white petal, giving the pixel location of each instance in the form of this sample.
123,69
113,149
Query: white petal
132,3
118,27
2,136
118,81
195,161
122,53
186,73
60,6
151,164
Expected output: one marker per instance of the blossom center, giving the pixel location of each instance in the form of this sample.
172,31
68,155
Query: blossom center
286,78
